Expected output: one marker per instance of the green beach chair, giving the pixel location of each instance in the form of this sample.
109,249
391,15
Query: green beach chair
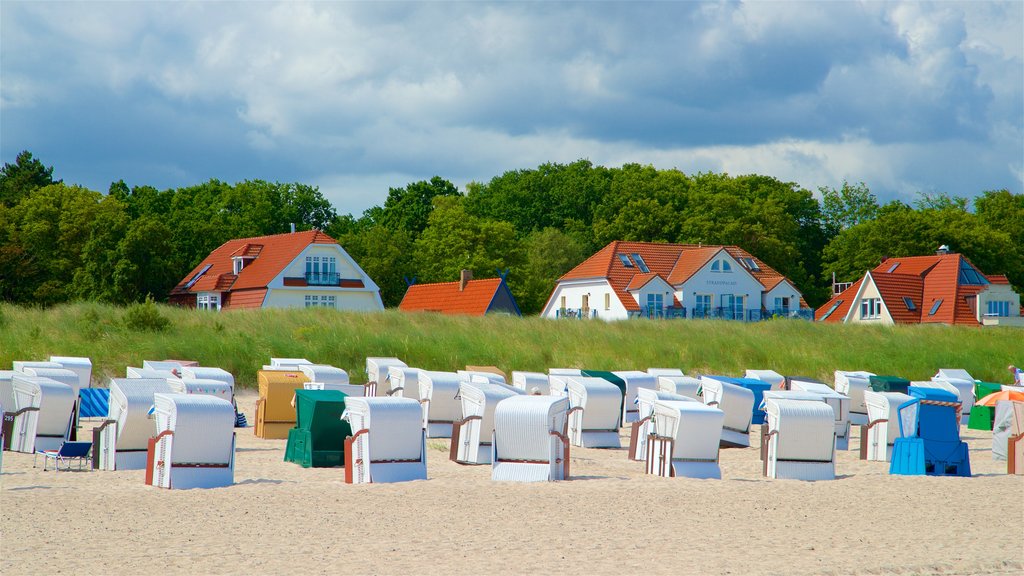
318,439
982,417
889,384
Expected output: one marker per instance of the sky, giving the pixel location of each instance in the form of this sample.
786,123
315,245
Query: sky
356,98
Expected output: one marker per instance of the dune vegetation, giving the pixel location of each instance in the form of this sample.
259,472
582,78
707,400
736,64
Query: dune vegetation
241,341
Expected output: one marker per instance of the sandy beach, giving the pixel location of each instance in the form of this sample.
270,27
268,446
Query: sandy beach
610,518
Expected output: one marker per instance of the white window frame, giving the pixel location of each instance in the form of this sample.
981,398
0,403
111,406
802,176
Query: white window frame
870,308
208,301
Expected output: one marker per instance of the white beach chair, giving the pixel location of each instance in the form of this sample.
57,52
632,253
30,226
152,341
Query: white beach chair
388,442
639,430
778,381
194,446
964,384
880,433
7,389
121,441
840,404
530,442
801,440
216,388
324,374
21,365
471,436
634,380
532,382
288,364
377,374
481,376
558,378
403,382
1004,425
79,365
594,412
665,372
685,440
853,384
208,373
172,366
43,413
682,385
150,373
439,393
737,403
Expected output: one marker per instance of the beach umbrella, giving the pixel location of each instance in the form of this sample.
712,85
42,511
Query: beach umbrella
991,399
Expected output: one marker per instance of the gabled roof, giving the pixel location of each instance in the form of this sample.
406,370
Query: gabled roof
641,280
929,281
839,304
676,263
271,255
445,297
893,288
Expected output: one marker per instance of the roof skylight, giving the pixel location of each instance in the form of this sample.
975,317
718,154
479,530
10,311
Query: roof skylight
626,261
640,263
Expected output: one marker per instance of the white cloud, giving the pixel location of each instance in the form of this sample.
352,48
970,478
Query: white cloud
903,96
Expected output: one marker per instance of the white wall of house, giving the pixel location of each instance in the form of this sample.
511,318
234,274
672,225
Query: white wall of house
366,298
656,286
737,281
345,298
998,293
868,290
783,290
569,294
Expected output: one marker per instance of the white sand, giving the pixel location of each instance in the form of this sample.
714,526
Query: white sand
611,518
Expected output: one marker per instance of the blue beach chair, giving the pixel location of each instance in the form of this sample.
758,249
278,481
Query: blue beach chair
930,430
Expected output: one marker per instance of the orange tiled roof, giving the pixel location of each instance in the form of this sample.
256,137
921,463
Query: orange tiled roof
674,262
841,301
446,297
273,254
927,280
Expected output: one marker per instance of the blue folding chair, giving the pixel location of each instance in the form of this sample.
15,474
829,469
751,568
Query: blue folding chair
930,436
68,452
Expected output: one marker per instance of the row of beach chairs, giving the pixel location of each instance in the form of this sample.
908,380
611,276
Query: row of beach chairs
163,415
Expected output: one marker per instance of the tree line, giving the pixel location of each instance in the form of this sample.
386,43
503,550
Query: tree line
62,242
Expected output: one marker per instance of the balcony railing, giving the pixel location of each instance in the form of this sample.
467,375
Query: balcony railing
719,313
323,278
576,313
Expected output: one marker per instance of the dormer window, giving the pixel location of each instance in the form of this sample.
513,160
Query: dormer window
240,262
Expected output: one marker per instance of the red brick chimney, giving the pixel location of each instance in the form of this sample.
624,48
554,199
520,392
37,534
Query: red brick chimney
464,277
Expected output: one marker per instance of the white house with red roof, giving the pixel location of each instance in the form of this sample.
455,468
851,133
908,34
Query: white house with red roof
644,279
296,270
944,288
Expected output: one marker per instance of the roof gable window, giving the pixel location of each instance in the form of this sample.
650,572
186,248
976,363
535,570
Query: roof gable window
721,265
935,307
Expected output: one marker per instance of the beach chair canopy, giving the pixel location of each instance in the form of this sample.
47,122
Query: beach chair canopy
377,371
318,439
683,385
529,445
208,373
665,372
61,375
136,372
47,427
203,427
387,444
530,382
489,370
403,381
888,383
130,401
694,428
324,373
79,365
772,377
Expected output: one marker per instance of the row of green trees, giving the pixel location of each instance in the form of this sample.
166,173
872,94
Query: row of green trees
61,242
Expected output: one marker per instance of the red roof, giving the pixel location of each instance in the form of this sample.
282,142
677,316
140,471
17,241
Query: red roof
445,297
266,257
929,281
675,263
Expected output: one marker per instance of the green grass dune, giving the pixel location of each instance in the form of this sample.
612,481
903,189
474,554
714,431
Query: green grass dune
242,341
